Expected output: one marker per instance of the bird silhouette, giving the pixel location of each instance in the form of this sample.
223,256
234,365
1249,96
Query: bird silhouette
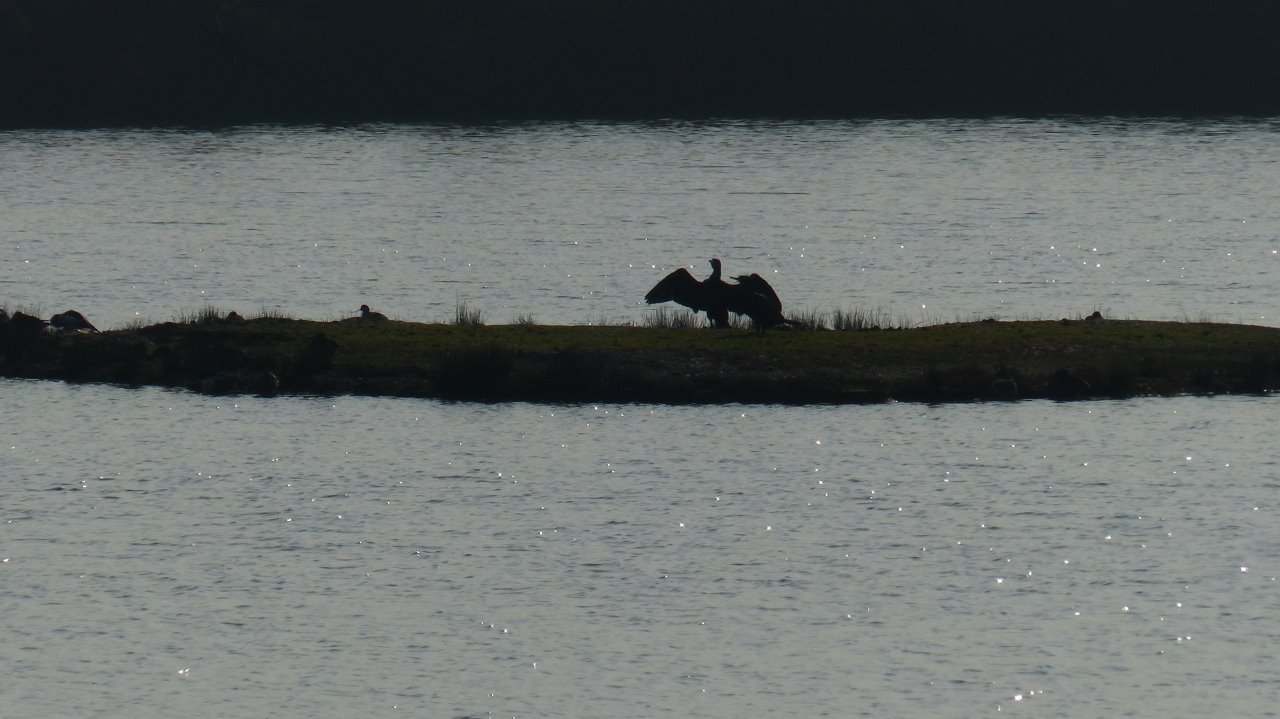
749,295
755,298
368,315
71,321
19,332
700,296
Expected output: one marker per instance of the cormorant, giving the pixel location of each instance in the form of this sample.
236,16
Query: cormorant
751,295
705,296
758,301
71,321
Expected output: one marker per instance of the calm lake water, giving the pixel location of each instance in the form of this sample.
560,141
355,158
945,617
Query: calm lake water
573,223
170,554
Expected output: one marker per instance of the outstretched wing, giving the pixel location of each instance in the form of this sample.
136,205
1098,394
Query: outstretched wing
679,287
757,285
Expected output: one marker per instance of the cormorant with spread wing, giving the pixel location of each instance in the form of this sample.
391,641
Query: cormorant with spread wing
751,295
705,296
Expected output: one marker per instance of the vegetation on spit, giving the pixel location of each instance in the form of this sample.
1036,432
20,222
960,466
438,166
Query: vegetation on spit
467,360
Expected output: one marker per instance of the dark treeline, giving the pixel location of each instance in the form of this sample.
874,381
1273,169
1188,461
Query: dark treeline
95,62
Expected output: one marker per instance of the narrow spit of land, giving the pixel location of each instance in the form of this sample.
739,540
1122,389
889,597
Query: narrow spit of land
986,360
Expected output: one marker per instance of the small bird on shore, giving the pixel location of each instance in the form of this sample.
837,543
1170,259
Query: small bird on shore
71,321
368,315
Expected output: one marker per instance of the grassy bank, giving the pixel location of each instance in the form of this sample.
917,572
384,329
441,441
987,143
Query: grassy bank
525,361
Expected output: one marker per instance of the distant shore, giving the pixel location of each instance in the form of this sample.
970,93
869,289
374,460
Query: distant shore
974,361
211,63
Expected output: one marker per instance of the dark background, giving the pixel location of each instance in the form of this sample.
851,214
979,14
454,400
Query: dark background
212,62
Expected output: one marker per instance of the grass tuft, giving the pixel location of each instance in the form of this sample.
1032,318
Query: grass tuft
811,319
671,319
859,318
33,310
464,316
134,325
204,315
267,313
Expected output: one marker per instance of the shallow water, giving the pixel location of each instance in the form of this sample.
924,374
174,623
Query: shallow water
921,221
200,556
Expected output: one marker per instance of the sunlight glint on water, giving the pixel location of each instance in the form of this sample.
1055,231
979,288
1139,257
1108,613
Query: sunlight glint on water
334,556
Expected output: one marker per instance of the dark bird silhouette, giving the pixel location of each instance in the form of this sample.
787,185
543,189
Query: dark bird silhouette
23,325
749,295
368,315
71,321
755,298
18,333
705,296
